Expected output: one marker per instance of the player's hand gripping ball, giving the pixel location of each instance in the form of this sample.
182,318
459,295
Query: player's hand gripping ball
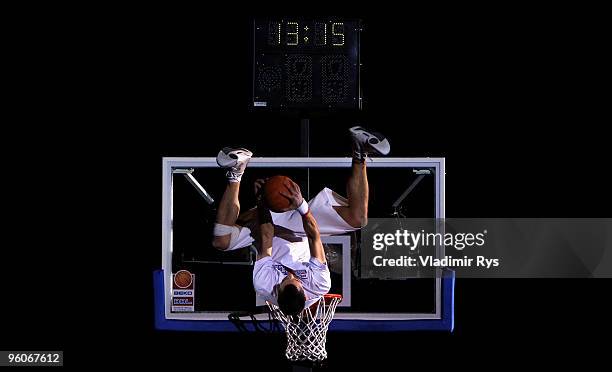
281,194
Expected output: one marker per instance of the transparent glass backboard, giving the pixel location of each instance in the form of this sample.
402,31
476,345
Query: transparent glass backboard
222,281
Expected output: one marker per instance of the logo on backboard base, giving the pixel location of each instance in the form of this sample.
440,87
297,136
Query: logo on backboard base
183,292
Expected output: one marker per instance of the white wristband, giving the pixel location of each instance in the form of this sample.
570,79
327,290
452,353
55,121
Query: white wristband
303,208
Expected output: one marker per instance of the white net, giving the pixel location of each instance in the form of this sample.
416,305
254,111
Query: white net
307,332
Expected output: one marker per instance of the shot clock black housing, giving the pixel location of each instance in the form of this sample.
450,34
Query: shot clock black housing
306,64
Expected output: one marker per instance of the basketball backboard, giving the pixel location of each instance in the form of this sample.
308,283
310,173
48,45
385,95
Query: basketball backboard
222,281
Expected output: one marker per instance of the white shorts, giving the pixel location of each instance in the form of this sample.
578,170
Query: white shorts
321,207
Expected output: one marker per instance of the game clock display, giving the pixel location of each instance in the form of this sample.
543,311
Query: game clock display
306,64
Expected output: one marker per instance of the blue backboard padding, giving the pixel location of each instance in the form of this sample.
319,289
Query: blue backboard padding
446,323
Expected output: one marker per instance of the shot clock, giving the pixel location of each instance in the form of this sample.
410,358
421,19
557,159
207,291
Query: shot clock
306,64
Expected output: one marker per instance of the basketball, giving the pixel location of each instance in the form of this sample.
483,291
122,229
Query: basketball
272,193
182,279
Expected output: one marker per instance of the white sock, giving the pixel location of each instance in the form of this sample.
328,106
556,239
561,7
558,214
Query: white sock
233,176
359,156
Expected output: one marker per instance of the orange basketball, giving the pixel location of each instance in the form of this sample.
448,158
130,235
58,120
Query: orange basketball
272,188
182,279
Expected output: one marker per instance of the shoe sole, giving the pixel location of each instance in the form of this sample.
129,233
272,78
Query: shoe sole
373,139
233,158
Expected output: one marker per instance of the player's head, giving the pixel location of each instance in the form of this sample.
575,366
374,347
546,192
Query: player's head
291,297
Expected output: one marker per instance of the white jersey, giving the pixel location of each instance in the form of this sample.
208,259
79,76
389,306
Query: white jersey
270,271
295,254
322,209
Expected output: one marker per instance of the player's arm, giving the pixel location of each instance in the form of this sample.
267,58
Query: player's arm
266,231
314,237
265,246
296,201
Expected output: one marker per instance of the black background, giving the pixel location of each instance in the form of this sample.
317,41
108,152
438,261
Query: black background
513,97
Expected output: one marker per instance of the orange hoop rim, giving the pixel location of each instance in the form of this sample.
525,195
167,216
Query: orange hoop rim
330,296
327,298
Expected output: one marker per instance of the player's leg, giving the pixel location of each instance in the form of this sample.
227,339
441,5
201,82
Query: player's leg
364,143
356,213
235,160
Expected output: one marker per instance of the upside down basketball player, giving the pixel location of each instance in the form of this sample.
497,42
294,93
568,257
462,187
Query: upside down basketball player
291,269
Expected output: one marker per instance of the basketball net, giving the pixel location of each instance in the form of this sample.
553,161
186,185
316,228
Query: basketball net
307,331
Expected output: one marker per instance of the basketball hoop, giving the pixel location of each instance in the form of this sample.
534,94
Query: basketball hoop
307,332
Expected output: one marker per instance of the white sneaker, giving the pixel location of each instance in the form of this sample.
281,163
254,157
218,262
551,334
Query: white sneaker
367,142
235,160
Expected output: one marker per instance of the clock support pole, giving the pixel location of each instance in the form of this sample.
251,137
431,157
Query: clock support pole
305,149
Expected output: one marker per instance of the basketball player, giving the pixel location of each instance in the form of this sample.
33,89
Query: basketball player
292,272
